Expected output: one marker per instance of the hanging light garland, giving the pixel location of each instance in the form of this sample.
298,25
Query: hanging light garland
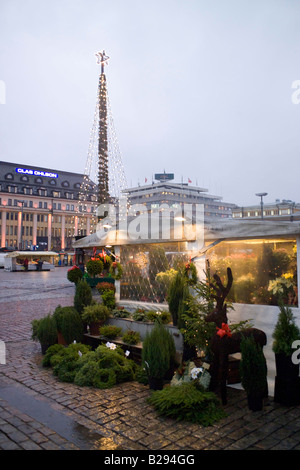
104,160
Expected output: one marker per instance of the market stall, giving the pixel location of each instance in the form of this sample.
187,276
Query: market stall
29,261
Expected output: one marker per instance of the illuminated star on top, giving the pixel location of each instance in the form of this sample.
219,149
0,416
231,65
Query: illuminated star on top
102,58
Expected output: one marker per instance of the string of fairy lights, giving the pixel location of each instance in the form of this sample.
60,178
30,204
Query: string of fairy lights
104,175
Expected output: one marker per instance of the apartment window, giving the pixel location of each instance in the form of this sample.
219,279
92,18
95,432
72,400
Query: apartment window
30,203
42,192
40,205
45,205
9,176
55,193
54,205
68,207
59,206
12,189
27,190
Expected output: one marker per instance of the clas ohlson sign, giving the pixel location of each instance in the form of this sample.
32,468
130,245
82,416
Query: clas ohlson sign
26,171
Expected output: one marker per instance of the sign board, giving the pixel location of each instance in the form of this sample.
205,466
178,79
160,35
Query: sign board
164,176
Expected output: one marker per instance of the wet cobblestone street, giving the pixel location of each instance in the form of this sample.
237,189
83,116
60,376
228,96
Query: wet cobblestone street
37,412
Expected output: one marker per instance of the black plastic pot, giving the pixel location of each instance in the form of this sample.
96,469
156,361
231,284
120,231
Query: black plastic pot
255,403
156,383
287,381
285,369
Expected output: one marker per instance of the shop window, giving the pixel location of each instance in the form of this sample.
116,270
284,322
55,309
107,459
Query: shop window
262,270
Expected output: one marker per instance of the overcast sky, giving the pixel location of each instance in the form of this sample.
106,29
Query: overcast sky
199,88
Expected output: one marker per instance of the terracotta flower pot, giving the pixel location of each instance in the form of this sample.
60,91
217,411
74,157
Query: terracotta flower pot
61,339
94,328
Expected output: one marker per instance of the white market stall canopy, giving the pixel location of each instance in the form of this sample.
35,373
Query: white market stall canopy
14,260
35,254
213,231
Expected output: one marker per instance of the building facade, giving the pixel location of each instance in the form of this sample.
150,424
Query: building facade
164,191
40,207
285,210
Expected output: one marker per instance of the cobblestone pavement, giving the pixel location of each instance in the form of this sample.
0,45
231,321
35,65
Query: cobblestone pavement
37,412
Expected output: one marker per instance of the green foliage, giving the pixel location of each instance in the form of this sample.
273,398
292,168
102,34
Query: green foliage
158,351
157,261
108,299
94,267
116,270
190,271
175,295
110,331
51,351
72,351
44,330
91,375
187,372
74,274
83,296
253,368
131,337
165,278
120,313
244,288
141,375
193,310
286,331
139,315
101,368
153,315
187,402
104,286
34,329
69,323
66,363
95,313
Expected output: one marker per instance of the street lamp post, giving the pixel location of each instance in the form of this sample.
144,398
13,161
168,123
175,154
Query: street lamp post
261,195
21,234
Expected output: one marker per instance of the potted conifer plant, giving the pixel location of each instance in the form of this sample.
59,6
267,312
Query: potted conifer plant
44,330
157,356
69,325
287,382
94,316
253,373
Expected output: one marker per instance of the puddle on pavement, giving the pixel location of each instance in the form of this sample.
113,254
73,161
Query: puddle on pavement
63,425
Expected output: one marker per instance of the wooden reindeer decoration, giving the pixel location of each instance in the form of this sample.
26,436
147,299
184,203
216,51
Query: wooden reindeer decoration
224,342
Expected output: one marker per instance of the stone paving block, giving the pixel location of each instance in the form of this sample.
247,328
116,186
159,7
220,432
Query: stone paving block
9,445
30,445
121,414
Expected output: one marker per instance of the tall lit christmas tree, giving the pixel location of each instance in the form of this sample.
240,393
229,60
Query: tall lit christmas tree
104,175
103,187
